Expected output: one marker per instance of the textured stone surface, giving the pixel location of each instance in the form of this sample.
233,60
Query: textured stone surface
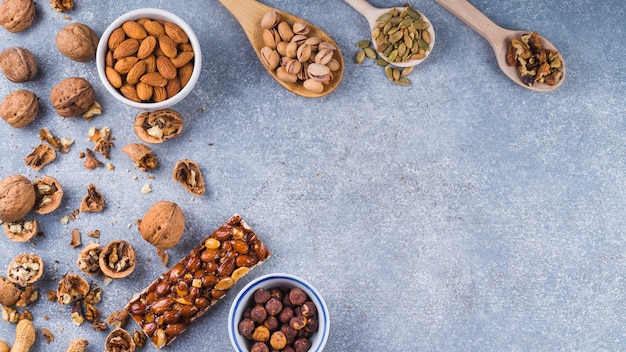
460,213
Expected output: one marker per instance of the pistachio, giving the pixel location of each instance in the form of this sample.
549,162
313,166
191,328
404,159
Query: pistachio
270,19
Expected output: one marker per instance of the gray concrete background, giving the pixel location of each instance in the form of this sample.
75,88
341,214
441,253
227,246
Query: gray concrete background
460,213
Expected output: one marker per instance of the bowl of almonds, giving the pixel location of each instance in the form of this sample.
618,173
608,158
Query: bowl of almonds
278,312
149,59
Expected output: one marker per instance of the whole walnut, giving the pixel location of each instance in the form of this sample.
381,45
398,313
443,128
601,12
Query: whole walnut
17,197
17,15
19,108
163,224
18,64
72,96
78,42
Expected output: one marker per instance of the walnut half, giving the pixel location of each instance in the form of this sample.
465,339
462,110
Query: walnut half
25,269
189,175
117,259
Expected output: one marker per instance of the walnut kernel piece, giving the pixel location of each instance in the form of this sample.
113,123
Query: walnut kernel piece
72,97
41,156
158,126
17,15
71,288
10,315
163,224
93,201
9,292
17,197
189,175
77,42
25,269
21,230
48,195
62,6
117,259
88,259
19,108
102,140
141,155
18,64
119,340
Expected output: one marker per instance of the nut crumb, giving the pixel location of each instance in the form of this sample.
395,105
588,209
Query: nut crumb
62,6
145,189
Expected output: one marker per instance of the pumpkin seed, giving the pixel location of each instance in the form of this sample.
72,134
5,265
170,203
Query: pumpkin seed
363,43
384,17
406,71
389,72
381,62
369,52
360,56
402,81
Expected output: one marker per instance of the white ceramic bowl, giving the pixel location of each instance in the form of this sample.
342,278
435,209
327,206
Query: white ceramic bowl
245,299
155,14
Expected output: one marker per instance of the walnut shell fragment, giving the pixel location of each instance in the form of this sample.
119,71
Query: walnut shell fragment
25,269
18,64
48,195
19,108
77,42
119,340
72,97
17,15
88,259
158,126
141,155
17,197
93,201
163,224
189,175
117,259
21,230
71,288
9,292
41,156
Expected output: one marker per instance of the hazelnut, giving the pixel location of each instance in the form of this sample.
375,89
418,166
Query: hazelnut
308,309
25,269
297,296
271,323
17,197
285,315
278,341
302,345
163,224
78,42
246,327
17,15
261,334
72,97
9,292
259,347
273,306
258,314
48,195
261,296
18,64
298,322
19,108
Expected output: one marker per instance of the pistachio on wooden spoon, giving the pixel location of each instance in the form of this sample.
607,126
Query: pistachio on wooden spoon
250,13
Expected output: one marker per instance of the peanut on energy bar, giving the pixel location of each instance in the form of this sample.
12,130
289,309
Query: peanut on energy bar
186,291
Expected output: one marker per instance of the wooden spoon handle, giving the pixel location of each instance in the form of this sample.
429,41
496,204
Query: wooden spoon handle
247,13
476,20
364,8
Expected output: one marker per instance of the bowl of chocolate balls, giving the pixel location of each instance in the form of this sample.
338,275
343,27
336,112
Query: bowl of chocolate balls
278,312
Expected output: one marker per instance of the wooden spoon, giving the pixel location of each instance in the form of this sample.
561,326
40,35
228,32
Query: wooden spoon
499,38
249,14
372,13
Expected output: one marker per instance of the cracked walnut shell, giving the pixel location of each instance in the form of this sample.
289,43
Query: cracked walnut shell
18,64
17,15
48,195
77,42
19,108
119,340
17,197
9,292
189,175
158,126
71,288
93,201
21,230
141,155
88,259
72,97
163,224
25,269
117,259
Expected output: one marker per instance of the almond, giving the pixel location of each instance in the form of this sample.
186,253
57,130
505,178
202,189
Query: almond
168,46
116,37
108,59
184,74
126,48
154,79
125,64
146,47
154,28
182,58
144,91
136,72
113,77
174,31
172,87
130,92
185,47
165,67
150,63
134,30
159,94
